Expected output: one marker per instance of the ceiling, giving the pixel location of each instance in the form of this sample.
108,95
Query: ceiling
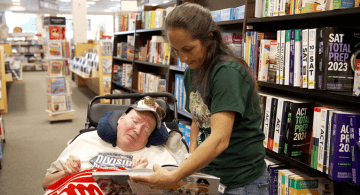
64,7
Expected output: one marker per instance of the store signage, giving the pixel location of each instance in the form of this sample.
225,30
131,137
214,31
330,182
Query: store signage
49,6
51,20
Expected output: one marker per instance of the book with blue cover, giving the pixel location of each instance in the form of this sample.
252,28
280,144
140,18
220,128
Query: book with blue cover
292,57
57,86
340,155
355,150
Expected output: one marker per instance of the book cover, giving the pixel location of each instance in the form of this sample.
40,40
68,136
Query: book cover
68,102
287,57
331,113
128,75
305,59
273,109
276,7
123,50
279,125
336,73
267,117
342,4
106,66
273,176
292,57
55,68
56,32
107,84
264,60
308,6
298,130
312,185
248,42
278,51
262,99
271,8
166,53
130,47
323,140
355,64
119,182
354,129
54,49
272,62
58,103
315,135
57,86
340,154
282,57
298,58
313,48
266,8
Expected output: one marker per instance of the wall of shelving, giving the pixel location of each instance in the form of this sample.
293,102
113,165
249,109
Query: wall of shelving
343,18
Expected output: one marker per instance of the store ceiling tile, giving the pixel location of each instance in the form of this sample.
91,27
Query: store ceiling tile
33,5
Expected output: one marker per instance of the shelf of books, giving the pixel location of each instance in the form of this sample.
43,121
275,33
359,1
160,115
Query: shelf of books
59,100
3,96
307,66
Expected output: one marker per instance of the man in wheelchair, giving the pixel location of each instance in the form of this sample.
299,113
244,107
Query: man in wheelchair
119,141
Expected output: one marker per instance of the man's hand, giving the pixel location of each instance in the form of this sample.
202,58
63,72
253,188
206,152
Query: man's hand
139,162
72,165
161,179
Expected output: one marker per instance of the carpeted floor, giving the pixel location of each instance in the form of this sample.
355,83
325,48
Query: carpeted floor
32,142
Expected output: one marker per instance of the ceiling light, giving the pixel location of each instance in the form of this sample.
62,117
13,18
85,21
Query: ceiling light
65,0
87,5
114,0
166,1
90,3
16,3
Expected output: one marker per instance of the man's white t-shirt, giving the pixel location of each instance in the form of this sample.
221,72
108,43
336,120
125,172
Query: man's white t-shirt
96,153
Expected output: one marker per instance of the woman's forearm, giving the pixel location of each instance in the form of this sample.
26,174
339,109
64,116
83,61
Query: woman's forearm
194,132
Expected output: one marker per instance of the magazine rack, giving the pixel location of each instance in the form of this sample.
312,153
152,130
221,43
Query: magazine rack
59,99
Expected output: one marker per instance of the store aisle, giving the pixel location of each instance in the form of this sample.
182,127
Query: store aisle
32,142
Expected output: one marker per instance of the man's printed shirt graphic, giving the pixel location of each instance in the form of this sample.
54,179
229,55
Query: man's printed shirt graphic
108,160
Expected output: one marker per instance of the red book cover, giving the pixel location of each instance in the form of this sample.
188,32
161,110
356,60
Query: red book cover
55,33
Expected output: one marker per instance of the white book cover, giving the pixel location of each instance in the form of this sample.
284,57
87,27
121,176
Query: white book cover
297,57
279,116
264,60
258,9
305,57
128,75
181,79
276,7
356,88
282,57
58,103
312,58
282,7
316,126
267,120
278,49
322,135
287,58
271,8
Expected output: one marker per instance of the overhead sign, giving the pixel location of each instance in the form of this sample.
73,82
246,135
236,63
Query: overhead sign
52,20
49,6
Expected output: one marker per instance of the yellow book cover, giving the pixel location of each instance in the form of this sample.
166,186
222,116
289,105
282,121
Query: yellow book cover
313,185
248,42
357,3
153,19
281,179
166,54
298,6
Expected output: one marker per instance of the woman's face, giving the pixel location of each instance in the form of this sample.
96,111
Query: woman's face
191,51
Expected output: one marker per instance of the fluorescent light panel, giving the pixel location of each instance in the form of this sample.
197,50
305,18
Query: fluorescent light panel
90,3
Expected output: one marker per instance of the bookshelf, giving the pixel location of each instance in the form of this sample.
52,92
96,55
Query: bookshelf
3,95
343,18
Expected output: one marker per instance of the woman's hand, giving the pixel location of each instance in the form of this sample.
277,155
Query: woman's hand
160,179
72,165
139,162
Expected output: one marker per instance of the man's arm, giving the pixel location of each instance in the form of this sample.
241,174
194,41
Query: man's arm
72,166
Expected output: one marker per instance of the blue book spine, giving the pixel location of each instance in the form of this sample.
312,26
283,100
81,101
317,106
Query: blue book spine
292,57
176,86
355,154
340,155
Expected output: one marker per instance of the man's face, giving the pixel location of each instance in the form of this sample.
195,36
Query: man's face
134,129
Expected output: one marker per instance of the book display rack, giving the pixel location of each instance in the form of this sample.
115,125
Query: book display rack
59,99
92,67
3,96
339,100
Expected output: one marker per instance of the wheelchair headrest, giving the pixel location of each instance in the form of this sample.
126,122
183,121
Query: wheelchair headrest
107,126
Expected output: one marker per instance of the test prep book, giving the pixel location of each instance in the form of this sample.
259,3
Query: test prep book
114,181
340,155
355,152
336,73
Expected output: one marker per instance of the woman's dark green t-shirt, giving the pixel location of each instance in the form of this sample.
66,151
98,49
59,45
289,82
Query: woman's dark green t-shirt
230,89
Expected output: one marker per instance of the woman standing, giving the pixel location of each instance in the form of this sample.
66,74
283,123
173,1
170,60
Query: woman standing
221,93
